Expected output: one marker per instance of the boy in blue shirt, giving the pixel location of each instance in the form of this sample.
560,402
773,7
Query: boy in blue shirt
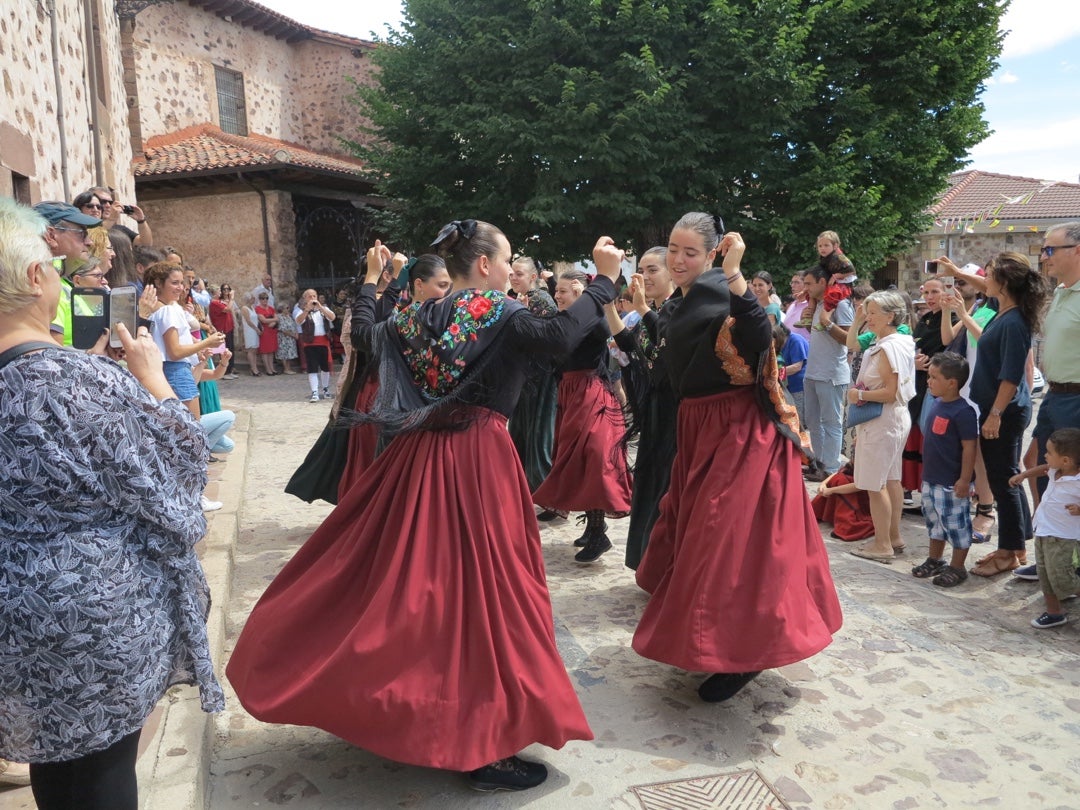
791,351
949,442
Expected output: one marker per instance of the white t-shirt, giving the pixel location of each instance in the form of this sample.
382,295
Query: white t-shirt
315,317
1051,519
172,316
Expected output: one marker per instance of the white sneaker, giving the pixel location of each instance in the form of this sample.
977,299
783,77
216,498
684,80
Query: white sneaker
209,505
231,377
314,396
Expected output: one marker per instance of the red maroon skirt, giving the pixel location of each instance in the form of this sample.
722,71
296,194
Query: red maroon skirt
363,440
736,566
911,466
588,471
416,623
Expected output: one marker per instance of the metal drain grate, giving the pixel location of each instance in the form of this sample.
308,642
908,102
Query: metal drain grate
741,790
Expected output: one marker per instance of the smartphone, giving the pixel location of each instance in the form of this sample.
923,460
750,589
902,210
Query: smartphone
123,306
949,283
218,349
930,267
93,309
89,315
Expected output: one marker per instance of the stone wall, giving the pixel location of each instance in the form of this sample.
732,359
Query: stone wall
965,248
292,92
221,236
30,142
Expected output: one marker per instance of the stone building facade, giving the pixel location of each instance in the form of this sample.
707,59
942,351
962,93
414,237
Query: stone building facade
63,116
241,114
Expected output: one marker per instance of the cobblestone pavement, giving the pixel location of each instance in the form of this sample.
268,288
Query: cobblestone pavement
927,697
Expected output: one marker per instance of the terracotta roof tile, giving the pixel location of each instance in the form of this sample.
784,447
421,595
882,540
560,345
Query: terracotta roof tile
984,195
205,147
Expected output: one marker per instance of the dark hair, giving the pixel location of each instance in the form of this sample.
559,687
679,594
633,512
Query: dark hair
818,272
159,272
147,255
1027,287
779,335
174,251
951,366
424,268
766,277
1067,443
861,290
573,274
123,266
709,226
837,263
85,198
463,241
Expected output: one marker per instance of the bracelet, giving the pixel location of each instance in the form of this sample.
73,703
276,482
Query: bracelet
733,276
861,395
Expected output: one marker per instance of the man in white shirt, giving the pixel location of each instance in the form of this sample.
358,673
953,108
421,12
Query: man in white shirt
267,287
314,320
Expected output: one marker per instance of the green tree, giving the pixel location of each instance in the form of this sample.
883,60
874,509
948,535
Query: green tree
560,120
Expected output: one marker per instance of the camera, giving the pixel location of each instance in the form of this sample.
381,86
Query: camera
128,209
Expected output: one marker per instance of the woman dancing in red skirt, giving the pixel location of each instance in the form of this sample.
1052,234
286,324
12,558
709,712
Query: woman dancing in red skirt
735,564
589,471
416,622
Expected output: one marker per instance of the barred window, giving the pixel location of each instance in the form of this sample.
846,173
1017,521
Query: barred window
232,114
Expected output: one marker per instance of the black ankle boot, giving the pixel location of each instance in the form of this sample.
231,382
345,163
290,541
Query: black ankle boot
724,685
595,537
594,524
511,773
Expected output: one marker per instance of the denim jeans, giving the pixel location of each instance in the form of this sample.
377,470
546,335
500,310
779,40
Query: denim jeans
824,405
216,425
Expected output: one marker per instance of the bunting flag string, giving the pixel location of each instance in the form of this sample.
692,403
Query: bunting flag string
992,215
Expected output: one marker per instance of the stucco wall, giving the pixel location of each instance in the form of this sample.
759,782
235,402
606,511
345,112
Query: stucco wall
221,236
29,131
292,92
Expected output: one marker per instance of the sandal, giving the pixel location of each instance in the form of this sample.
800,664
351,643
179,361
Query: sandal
928,568
981,537
256,374
993,565
950,577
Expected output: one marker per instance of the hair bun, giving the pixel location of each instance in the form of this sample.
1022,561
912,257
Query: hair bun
452,233
718,223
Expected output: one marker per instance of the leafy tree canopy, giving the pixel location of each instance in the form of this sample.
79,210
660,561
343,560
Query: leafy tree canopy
560,120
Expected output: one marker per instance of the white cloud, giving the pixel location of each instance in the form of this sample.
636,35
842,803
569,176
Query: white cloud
1038,25
1008,78
1030,151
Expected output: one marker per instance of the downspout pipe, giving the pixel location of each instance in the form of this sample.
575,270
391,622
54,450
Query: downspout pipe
92,96
265,220
60,124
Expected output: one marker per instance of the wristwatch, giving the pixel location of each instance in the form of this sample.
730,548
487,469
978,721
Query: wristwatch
860,395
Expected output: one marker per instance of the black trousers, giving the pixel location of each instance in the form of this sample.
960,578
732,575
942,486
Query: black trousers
104,780
230,344
1002,457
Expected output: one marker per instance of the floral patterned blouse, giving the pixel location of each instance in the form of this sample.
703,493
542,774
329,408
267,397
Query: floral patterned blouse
102,601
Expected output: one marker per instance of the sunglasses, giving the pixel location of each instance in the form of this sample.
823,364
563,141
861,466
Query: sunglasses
1048,250
105,202
93,206
83,231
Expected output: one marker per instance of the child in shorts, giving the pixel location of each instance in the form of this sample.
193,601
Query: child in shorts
1057,524
948,466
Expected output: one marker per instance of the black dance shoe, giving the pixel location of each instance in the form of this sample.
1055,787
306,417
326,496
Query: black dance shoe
724,685
596,545
512,773
547,515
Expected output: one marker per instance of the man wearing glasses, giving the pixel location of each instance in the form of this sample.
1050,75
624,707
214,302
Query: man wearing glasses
69,242
110,210
1060,259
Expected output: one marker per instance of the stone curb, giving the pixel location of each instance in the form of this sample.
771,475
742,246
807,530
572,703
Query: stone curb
174,770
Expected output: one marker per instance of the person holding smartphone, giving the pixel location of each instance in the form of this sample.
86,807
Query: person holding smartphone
172,333
314,320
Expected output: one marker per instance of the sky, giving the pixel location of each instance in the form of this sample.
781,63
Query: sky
1032,100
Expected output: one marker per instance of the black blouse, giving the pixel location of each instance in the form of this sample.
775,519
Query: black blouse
497,365
689,327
